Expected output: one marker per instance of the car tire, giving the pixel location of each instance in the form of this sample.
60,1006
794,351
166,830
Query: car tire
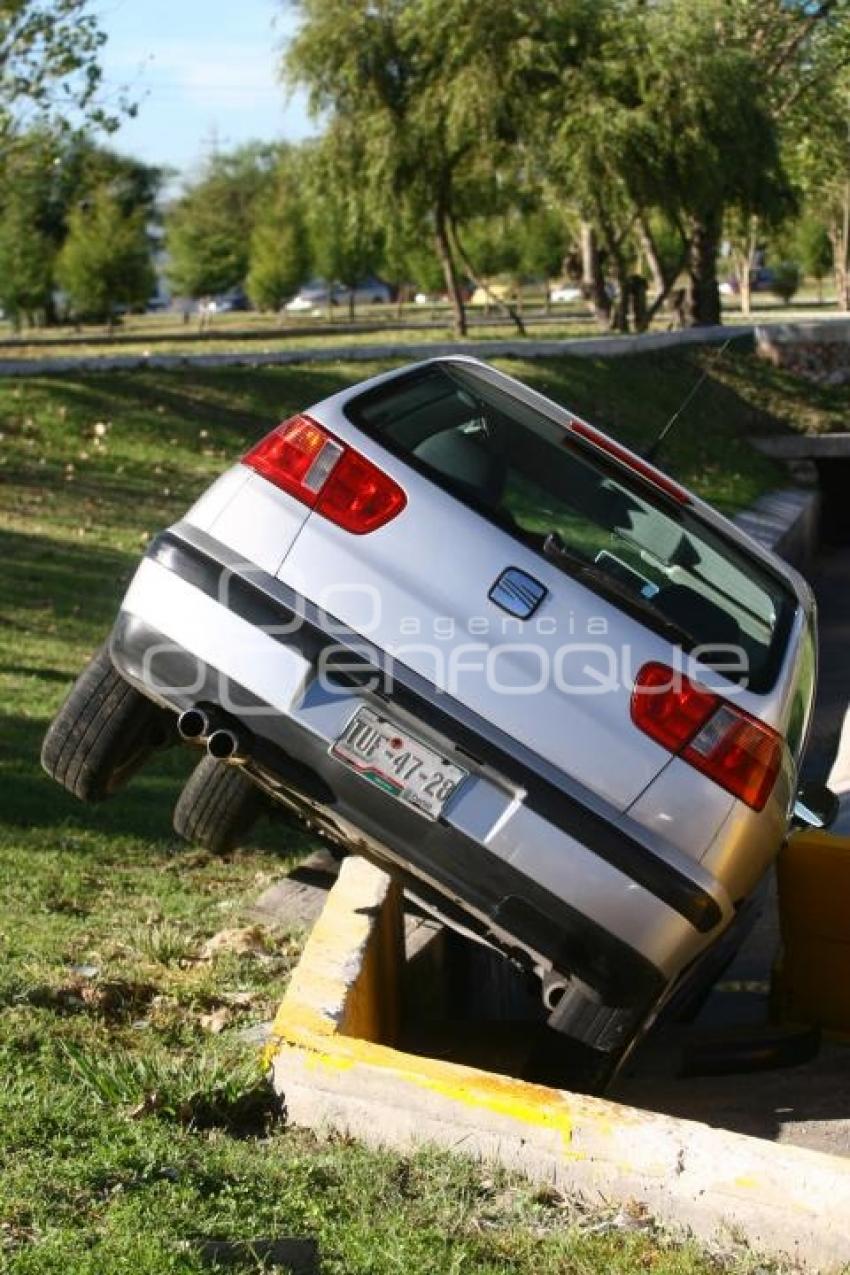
218,806
103,733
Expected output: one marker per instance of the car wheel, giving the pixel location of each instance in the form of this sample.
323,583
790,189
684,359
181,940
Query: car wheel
218,806
103,733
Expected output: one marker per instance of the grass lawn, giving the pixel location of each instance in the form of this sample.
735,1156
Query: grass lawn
129,1123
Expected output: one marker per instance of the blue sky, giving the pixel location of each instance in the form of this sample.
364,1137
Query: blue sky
201,70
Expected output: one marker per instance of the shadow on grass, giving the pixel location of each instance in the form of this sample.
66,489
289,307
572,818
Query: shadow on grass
31,799
59,579
239,401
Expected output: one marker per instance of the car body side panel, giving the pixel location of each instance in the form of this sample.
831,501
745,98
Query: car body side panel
260,522
217,497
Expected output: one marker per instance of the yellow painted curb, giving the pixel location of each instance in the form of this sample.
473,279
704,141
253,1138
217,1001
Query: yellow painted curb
334,1059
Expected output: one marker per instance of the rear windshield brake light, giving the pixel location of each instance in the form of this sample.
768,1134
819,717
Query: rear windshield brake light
632,462
305,460
718,738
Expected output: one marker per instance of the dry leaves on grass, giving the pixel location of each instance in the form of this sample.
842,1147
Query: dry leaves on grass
113,999
249,940
216,1021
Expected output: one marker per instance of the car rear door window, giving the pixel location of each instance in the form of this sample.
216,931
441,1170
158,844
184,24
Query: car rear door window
525,471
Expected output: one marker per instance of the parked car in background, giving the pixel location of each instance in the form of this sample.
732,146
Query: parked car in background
473,638
493,292
566,293
227,302
315,295
762,279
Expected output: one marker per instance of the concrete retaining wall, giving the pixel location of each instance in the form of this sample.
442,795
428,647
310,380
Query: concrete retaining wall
786,522
333,1059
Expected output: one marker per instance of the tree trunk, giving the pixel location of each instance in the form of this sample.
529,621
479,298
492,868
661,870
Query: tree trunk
592,278
510,310
447,261
619,314
839,235
703,302
744,261
745,285
351,304
663,281
653,260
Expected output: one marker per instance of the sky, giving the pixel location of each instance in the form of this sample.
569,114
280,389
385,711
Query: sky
203,73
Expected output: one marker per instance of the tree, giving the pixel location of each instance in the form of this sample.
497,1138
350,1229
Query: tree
280,250
105,261
46,175
813,249
677,114
544,242
819,148
702,143
409,257
431,89
26,262
345,237
786,280
208,230
49,66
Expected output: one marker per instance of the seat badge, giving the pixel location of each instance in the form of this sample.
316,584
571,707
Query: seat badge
517,593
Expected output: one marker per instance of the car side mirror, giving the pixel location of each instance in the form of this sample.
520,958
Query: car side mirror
816,806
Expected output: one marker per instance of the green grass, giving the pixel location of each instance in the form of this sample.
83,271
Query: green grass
126,1127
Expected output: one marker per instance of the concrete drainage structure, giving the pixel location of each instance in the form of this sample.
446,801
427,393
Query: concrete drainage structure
335,1060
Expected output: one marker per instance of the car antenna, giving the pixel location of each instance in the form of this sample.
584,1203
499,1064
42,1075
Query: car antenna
654,448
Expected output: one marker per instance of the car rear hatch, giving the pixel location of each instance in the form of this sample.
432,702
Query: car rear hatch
521,563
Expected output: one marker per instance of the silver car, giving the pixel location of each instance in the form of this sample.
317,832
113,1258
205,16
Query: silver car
478,641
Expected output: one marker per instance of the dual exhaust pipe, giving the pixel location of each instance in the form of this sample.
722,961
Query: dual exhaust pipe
224,739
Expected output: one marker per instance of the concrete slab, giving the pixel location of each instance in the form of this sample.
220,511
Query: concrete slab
335,1060
299,897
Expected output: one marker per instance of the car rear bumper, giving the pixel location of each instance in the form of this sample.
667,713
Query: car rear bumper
533,864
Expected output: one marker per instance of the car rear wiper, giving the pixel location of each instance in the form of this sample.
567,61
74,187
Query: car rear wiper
581,568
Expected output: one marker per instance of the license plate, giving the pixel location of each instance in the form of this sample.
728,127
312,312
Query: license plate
396,762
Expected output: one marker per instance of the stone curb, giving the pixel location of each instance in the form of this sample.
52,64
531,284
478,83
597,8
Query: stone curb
334,1060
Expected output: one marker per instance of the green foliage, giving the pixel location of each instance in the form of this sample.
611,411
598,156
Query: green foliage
279,261
78,167
408,251
26,253
209,228
427,93
45,178
345,237
494,245
786,280
280,254
812,247
105,261
544,243
49,65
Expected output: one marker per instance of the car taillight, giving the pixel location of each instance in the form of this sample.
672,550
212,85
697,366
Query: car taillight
728,745
305,460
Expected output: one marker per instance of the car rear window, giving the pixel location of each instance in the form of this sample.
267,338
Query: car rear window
617,533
